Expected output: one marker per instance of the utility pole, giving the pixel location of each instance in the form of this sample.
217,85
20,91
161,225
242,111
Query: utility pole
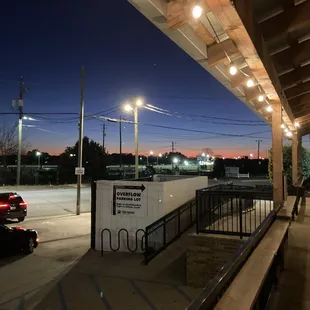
120,142
20,128
136,120
103,137
258,147
173,147
80,150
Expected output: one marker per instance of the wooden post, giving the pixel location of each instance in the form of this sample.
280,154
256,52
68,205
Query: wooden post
299,156
277,154
295,158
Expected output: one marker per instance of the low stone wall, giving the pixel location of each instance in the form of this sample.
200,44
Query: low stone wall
206,254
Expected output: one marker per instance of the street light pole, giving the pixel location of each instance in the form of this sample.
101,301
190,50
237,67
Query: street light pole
120,142
136,120
80,150
39,159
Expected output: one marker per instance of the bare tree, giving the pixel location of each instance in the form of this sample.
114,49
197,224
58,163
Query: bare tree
8,141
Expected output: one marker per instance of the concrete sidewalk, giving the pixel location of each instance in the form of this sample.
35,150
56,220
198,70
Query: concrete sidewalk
115,281
293,291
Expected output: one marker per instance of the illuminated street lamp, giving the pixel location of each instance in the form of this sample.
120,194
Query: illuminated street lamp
147,157
38,154
175,160
128,108
159,155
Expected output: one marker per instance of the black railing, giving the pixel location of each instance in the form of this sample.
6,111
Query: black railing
232,209
138,243
211,294
160,234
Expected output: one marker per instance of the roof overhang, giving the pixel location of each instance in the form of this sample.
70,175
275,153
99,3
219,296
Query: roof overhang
224,34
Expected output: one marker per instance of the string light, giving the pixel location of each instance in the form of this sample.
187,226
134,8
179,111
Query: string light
286,130
250,83
261,98
197,11
233,70
297,124
269,108
289,134
282,126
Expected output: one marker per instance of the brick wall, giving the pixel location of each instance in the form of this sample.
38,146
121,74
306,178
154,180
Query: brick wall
206,254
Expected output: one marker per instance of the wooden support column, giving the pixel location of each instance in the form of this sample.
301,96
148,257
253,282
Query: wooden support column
277,154
299,156
295,158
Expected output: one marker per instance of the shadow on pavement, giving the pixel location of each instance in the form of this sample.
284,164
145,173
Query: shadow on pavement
117,281
10,258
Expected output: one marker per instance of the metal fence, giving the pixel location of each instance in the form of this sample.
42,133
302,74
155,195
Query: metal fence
232,209
160,234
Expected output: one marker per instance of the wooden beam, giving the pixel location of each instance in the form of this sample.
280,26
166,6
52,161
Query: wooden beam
269,81
240,79
202,32
217,53
179,14
295,76
277,154
303,119
297,90
289,21
176,14
292,57
305,114
252,93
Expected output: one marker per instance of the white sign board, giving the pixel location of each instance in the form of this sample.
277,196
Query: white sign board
79,171
129,201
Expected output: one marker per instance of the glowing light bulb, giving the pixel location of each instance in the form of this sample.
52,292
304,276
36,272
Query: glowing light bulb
250,83
233,70
297,124
197,11
269,108
261,98
282,126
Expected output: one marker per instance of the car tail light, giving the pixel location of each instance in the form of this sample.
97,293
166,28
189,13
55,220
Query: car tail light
23,204
4,205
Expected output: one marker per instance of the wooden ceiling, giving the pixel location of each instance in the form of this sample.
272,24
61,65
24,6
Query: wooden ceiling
284,26
267,40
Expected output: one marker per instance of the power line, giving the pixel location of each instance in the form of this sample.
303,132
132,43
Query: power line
207,132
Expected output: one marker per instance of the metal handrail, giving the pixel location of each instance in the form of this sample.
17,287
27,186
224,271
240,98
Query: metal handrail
215,288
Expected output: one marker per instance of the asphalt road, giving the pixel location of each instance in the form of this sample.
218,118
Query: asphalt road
50,202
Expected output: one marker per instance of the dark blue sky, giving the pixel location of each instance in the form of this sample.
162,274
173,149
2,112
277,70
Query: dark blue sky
124,56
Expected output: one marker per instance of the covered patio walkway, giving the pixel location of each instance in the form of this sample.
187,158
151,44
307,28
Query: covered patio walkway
293,289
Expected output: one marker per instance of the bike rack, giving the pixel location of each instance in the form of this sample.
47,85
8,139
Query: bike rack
132,250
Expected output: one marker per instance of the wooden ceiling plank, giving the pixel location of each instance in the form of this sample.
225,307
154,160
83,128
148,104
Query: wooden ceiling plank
289,21
297,90
296,76
292,57
260,66
217,53
301,100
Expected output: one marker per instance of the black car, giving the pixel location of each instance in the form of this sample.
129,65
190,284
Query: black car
12,206
17,239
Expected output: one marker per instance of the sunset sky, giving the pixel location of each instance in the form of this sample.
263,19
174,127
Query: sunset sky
125,57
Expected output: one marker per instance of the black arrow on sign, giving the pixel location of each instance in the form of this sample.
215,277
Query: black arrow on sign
142,187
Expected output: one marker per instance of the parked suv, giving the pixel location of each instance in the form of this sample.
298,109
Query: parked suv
12,206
